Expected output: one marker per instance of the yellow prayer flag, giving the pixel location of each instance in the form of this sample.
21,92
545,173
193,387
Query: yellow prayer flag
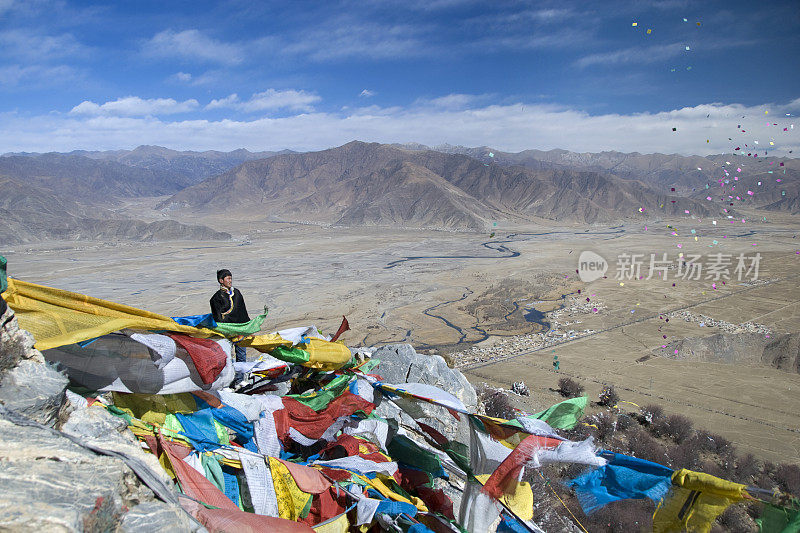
57,318
327,355
381,486
154,408
517,496
340,524
291,500
265,343
694,502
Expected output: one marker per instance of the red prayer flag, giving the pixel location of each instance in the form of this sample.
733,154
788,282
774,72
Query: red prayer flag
235,520
344,327
510,468
208,357
193,483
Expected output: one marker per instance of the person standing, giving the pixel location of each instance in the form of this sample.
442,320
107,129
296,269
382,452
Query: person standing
227,305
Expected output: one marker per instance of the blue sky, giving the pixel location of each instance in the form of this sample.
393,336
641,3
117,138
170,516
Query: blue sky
310,75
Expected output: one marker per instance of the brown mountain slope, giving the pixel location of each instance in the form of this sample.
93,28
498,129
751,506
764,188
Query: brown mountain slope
195,166
380,184
31,214
688,174
88,180
405,193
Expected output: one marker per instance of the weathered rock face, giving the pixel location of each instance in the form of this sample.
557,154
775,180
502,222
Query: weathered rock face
49,482
52,484
34,390
15,344
401,364
27,384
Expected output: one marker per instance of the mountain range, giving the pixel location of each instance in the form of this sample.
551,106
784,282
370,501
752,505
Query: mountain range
30,213
370,183
55,195
192,166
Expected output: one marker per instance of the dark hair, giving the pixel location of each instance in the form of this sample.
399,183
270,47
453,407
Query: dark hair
223,273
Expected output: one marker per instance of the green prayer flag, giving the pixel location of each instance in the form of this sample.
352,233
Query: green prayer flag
369,365
295,355
404,450
780,519
213,471
319,400
315,400
3,281
231,329
564,415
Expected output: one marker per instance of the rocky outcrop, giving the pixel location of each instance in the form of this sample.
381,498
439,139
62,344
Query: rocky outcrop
27,384
400,363
78,478
781,351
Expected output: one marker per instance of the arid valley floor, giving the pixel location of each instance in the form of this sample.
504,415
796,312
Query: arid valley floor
468,294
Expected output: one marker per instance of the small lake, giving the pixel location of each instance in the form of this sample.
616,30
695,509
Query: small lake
531,314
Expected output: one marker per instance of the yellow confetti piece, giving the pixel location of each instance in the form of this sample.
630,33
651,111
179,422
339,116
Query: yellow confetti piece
621,284
649,31
635,24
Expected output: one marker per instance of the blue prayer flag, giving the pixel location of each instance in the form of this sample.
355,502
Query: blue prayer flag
624,477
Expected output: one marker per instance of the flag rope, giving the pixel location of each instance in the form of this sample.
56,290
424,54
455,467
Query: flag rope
547,482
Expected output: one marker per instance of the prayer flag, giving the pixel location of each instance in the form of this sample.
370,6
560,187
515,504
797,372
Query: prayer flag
776,519
564,415
345,326
624,477
694,502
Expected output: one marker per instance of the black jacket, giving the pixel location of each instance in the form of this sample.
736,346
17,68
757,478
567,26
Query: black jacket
226,308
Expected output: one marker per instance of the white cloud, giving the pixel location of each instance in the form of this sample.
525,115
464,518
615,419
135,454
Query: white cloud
505,127
451,101
36,75
133,106
270,99
36,47
209,77
184,77
656,53
193,45
366,93
638,54
349,37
